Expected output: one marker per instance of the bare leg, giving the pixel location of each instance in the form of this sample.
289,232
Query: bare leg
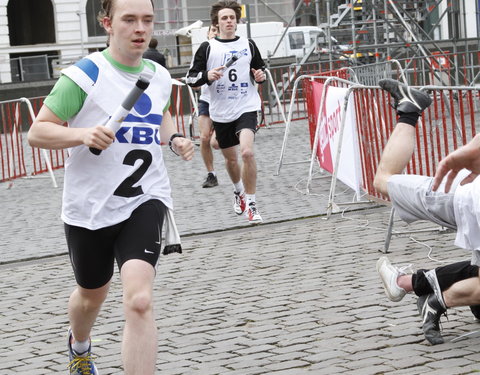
214,142
205,125
231,163
463,293
405,282
139,346
395,156
409,103
249,167
83,308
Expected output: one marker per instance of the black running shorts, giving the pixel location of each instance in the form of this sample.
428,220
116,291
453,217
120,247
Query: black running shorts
227,132
203,108
92,252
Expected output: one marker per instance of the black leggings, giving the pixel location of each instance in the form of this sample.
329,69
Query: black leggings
446,275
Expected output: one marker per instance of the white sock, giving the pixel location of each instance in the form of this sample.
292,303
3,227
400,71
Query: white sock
250,198
238,187
212,172
81,347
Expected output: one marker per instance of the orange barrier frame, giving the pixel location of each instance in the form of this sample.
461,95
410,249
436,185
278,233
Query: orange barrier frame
447,124
16,117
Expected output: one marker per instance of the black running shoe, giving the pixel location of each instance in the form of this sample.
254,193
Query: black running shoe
476,311
407,100
431,310
210,181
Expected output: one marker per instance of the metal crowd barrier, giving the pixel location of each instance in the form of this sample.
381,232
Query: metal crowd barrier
19,160
288,91
276,101
16,157
305,92
450,122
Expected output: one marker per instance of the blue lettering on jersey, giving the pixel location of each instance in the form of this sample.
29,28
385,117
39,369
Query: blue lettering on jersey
140,135
151,119
120,134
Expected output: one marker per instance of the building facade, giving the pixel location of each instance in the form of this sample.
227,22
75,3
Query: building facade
39,37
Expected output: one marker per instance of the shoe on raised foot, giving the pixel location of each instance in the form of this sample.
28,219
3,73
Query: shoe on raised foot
389,274
432,279
431,310
407,99
239,203
80,363
253,214
476,312
210,181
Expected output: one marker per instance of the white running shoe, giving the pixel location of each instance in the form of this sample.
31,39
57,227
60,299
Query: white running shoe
239,203
253,214
389,275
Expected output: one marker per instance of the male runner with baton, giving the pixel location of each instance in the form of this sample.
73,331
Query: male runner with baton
114,203
231,66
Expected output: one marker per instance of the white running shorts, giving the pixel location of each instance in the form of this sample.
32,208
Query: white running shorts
413,199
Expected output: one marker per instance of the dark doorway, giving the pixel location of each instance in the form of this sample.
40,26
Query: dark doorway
30,22
92,9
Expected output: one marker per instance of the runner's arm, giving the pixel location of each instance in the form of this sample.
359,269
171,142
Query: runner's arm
197,74
467,156
180,145
257,65
48,130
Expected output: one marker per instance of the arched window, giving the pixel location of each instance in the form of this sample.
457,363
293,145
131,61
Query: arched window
30,22
92,9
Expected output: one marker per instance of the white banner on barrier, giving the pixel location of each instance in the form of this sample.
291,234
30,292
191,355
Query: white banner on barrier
349,171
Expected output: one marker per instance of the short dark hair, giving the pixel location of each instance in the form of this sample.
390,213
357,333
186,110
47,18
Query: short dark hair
230,4
153,43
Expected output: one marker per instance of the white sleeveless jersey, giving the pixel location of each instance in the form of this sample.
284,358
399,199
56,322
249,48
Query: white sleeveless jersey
103,190
235,93
205,94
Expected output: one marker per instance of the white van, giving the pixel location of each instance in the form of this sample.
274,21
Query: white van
266,35
300,38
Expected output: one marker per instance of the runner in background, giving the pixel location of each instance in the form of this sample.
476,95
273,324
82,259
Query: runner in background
154,54
207,132
231,65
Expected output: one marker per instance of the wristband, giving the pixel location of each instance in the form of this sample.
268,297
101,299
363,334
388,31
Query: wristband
170,142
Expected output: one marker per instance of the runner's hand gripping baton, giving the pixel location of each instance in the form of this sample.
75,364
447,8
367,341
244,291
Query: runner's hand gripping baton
119,115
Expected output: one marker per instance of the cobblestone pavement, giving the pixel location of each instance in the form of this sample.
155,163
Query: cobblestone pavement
298,294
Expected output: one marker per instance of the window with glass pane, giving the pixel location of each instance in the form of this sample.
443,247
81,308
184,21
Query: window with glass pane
92,9
296,39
